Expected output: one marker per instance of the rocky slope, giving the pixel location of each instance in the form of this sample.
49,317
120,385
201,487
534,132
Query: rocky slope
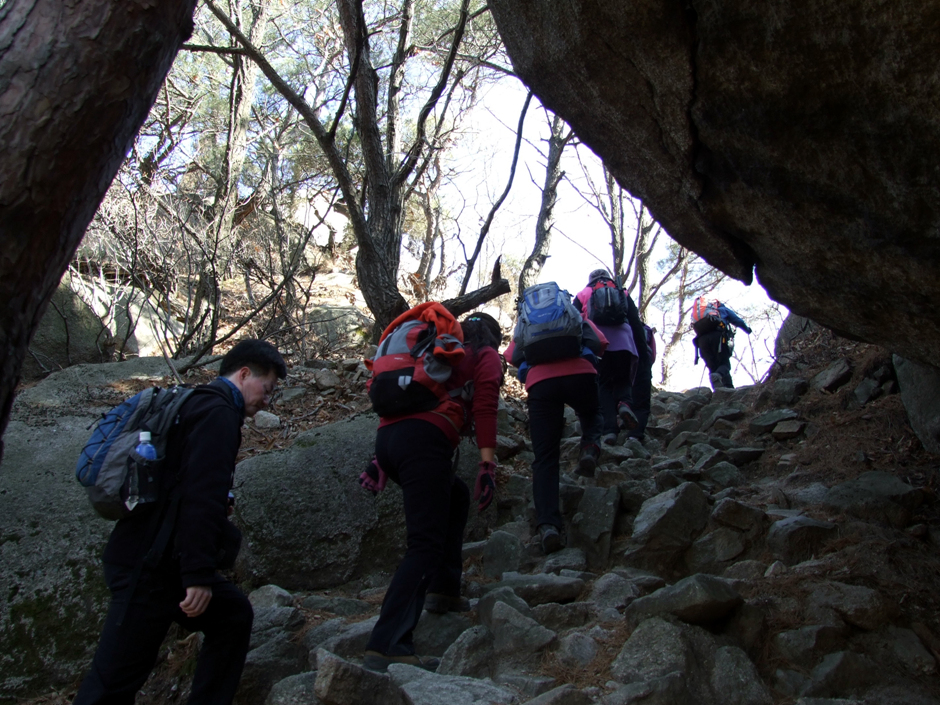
770,544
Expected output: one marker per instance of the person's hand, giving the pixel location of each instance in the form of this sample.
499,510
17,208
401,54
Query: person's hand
373,478
196,601
485,488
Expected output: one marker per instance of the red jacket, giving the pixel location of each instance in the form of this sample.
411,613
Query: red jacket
456,416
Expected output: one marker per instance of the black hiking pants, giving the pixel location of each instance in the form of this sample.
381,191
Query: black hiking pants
642,395
614,385
716,353
127,652
418,456
546,403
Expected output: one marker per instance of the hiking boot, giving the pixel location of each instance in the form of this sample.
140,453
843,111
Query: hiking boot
440,604
715,379
588,460
609,439
375,661
549,538
627,416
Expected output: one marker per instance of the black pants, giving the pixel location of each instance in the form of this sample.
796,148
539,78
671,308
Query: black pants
546,404
614,385
716,352
127,653
641,395
417,455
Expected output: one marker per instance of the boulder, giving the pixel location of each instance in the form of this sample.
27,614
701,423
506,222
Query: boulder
287,544
798,538
920,392
593,524
695,115
471,654
277,658
698,599
833,377
766,422
340,682
516,636
666,526
875,496
294,690
420,687
502,553
541,588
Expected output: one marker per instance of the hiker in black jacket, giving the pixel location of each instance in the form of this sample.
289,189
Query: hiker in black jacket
185,540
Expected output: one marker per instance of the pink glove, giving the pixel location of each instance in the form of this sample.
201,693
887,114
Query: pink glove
373,477
485,487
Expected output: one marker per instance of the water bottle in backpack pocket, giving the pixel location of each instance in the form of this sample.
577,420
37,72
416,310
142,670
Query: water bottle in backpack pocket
549,326
120,466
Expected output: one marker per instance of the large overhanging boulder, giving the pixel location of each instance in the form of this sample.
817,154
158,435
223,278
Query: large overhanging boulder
797,141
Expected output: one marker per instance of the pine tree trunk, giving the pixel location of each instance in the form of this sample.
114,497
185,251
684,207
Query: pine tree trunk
77,80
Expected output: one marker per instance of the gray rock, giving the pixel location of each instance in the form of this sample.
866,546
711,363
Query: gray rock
698,599
266,420
527,686
910,651
501,553
287,544
634,492
684,439
576,650
858,605
876,496
277,658
803,646
868,390
291,393
352,640
788,390
565,559
843,673
715,412
920,393
742,456
833,377
562,695
340,682
745,570
271,620
730,512
516,636
541,588
654,649
766,422
326,379
613,591
294,690
342,606
268,596
724,474
712,551
666,526
798,538
559,618
785,430
502,594
470,655
593,524
668,464
734,679
321,633
436,632
333,324
421,687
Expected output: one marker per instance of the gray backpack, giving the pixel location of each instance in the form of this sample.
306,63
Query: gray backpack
549,326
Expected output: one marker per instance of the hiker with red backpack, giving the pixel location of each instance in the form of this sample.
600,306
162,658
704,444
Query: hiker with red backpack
612,310
434,379
556,352
714,338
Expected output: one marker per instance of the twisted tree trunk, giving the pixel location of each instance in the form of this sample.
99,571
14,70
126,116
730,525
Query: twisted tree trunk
76,82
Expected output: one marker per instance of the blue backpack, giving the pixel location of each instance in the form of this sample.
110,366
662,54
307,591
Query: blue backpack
549,326
116,477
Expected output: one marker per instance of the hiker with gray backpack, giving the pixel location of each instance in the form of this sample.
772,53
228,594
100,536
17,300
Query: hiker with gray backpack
173,535
556,350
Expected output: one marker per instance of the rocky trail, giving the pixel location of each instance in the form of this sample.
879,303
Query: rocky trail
768,544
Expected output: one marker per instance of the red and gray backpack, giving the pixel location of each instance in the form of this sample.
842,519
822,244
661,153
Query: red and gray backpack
706,316
414,361
607,305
